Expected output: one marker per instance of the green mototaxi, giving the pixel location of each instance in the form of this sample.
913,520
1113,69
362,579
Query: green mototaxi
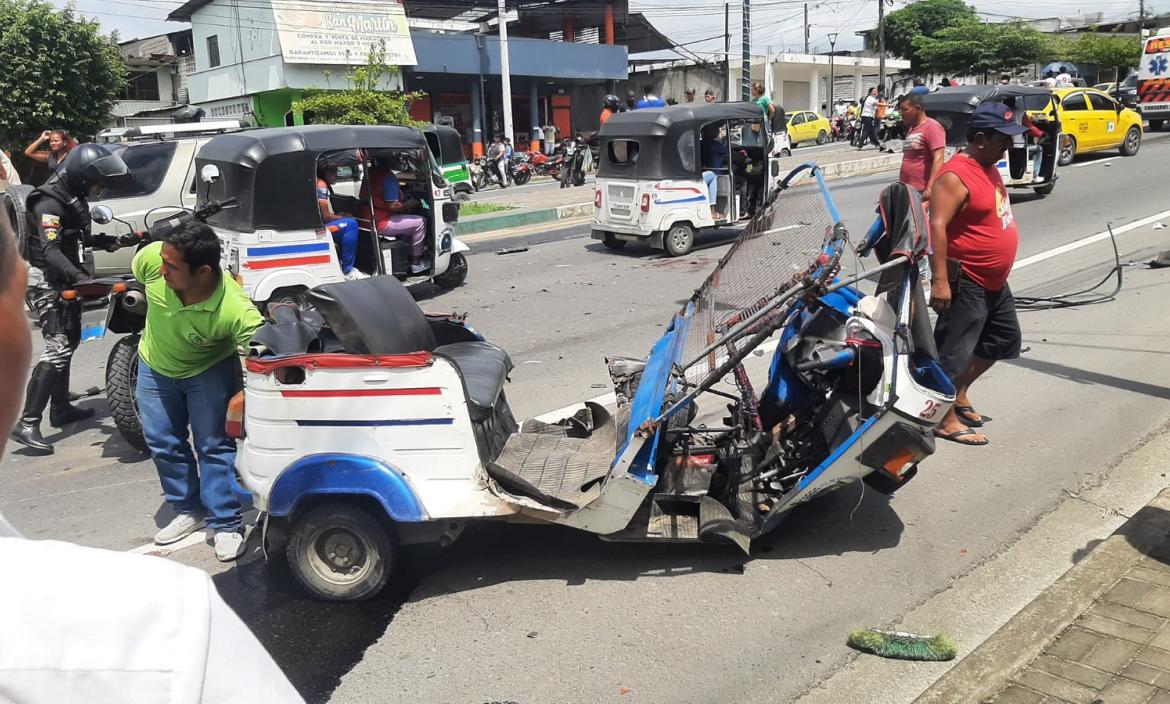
447,146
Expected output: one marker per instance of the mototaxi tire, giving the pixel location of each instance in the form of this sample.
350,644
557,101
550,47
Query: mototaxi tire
679,239
1045,190
612,242
121,390
1069,153
340,551
456,272
1132,143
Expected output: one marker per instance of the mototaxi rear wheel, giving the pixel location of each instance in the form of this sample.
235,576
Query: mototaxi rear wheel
679,239
340,552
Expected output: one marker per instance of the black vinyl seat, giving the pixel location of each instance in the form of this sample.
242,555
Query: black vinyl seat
484,368
378,316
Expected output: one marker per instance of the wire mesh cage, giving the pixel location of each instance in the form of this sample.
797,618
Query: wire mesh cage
783,245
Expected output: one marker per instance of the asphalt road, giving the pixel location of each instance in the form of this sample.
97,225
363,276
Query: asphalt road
536,614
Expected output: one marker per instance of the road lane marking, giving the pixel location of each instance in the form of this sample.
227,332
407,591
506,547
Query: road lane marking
1096,163
609,399
1086,241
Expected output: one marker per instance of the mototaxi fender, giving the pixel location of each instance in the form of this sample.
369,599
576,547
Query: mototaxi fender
342,474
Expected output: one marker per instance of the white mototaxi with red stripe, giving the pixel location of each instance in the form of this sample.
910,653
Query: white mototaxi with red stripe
659,167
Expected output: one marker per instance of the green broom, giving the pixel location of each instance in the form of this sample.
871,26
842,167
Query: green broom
902,646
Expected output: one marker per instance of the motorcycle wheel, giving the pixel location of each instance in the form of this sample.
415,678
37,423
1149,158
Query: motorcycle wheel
456,272
121,390
521,177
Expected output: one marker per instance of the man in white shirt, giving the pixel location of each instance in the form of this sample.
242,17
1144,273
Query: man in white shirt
1064,79
8,175
96,626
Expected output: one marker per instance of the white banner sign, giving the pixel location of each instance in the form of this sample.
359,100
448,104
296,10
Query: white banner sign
314,32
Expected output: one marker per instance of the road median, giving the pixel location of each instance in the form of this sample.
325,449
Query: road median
523,217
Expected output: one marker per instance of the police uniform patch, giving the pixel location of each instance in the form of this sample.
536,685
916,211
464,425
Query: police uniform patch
50,225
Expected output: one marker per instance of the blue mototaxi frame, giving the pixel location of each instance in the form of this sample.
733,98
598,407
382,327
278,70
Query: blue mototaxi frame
833,249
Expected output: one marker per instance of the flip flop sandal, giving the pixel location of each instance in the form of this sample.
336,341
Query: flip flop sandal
962,413
966,432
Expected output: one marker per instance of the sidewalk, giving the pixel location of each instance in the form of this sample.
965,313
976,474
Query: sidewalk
547,202
1099,635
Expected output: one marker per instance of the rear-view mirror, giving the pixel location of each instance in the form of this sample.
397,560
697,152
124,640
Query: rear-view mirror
209,173
101,214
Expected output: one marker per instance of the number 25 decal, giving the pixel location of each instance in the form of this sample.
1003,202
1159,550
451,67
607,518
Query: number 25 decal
931,410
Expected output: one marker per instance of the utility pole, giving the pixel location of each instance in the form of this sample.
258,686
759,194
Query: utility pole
806,28
832,51
727,50
746,65
505,76
881,45
1141,16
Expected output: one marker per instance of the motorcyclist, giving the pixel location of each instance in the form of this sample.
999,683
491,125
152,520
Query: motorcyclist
610,105
58,229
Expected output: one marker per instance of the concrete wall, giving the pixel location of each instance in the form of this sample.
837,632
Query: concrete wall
166,87
669,82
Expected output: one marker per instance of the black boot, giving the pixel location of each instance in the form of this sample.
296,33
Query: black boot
40,387
61,411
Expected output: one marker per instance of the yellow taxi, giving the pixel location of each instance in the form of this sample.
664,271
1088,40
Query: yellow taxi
808,126
1093,122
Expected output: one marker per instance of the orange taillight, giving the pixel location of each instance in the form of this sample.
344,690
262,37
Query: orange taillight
119,287
69,295
235,417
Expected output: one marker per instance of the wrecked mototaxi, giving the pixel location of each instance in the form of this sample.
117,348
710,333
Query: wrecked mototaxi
366,424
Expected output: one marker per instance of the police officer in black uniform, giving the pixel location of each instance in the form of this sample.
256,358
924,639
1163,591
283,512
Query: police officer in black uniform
58,229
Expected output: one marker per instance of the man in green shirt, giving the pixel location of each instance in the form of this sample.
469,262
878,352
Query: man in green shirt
188,370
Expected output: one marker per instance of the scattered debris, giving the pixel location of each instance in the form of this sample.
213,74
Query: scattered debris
1159,226
902,646
511,250
597,386
624,690
532,361
532,634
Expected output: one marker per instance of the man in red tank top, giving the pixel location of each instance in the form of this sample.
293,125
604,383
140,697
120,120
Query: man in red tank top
971,224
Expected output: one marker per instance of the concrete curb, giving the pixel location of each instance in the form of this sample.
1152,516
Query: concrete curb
532,216
987,669
521,217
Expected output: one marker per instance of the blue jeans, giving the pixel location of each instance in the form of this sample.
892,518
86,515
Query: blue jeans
346,236
712,182
166,408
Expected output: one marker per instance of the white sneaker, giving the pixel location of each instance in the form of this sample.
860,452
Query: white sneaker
183,525
228,545
355,274
420,268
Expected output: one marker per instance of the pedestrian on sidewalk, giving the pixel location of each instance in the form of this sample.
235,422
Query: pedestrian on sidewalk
975,240
188,371
60,144
508,152
924,148
495,156
868,124
709,96
98,626
649,100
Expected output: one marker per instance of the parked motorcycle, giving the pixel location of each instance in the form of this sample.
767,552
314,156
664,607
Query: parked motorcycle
521,169
126,315
573,173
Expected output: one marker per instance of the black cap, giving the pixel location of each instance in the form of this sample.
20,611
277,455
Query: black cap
997,117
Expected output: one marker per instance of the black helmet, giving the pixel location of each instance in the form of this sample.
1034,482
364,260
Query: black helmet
611,102
92,165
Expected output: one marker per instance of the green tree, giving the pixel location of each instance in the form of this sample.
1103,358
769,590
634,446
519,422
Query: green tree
364,103
59,71
979,48
922,19
1116,51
